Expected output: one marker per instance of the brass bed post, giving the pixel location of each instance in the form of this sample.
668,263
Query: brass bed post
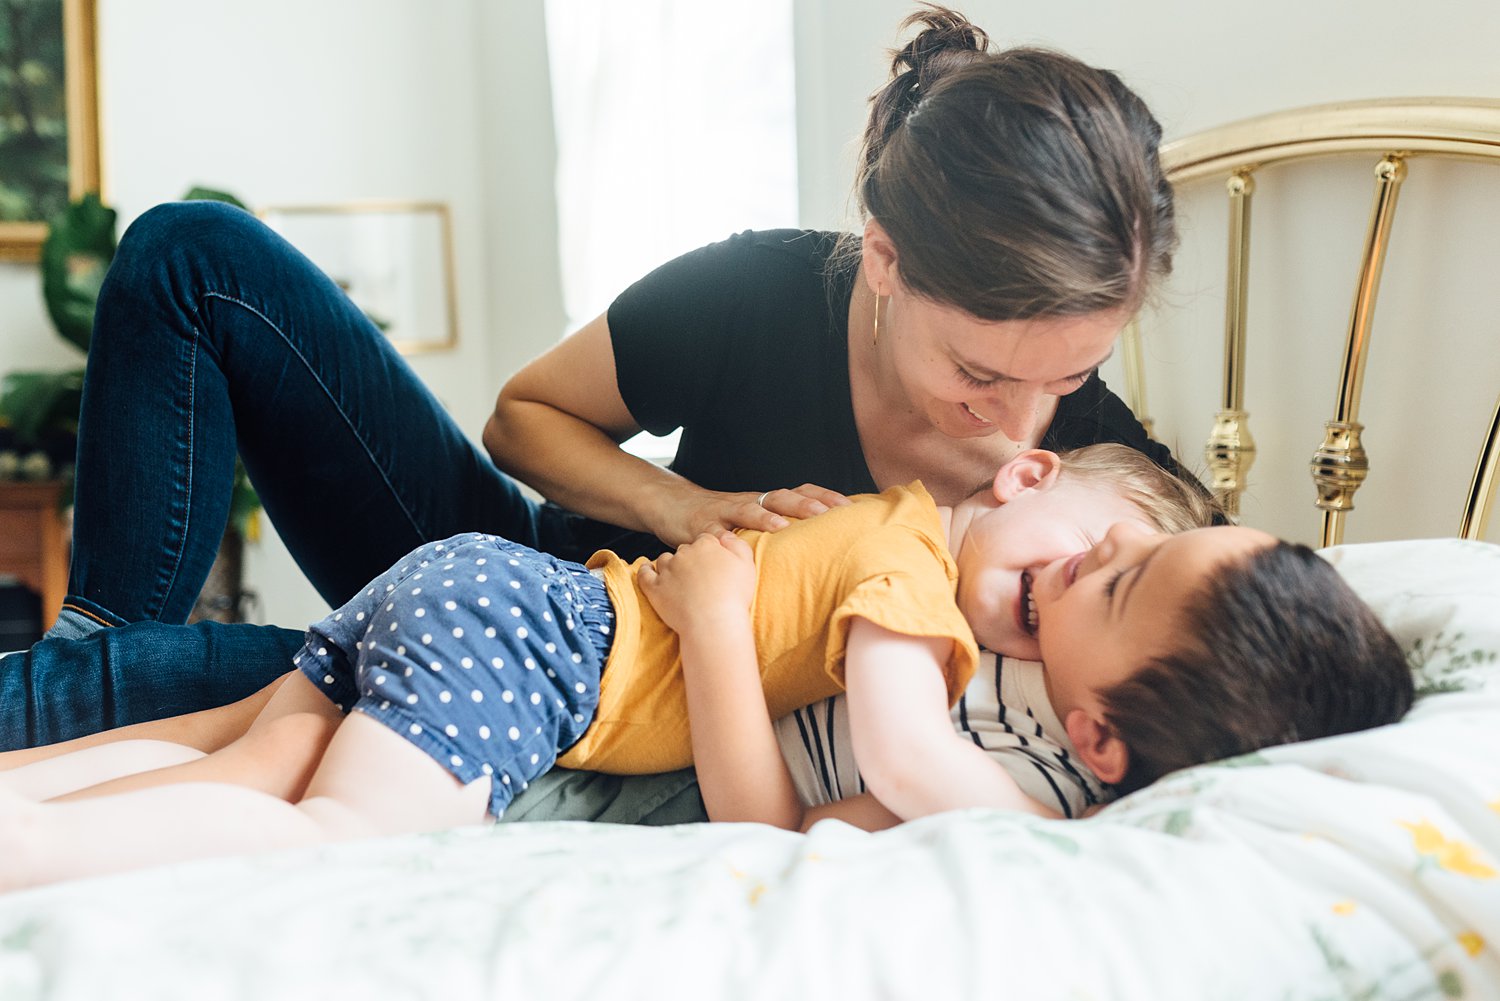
1340,464
1482,488
1135,373
1230,450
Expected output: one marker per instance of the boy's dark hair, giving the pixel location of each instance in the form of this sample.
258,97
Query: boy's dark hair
1278,648
1016,183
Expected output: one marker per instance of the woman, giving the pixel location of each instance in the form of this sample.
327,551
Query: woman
1016,217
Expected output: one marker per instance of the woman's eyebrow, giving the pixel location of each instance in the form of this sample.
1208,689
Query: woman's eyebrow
990,375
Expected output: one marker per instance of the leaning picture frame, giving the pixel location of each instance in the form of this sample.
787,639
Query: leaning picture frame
393,259
49,117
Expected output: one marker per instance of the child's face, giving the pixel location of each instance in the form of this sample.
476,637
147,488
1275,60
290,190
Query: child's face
1104,613
1008,544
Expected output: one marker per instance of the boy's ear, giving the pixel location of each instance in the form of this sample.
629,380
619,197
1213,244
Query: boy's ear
1104,753
878,259
1033,469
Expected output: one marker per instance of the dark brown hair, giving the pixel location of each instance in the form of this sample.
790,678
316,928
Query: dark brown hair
1276,649
1016,183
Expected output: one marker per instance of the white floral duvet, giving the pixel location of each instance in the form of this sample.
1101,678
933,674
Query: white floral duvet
1365,866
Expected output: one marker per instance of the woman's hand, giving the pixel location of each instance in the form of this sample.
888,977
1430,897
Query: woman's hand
684,517
707,581
558,424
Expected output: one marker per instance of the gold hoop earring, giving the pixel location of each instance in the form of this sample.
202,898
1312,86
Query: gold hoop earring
876,338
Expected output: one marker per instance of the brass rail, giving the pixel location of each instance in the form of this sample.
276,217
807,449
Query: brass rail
1340,464
1230,450
1398,130
1482,487
1135,373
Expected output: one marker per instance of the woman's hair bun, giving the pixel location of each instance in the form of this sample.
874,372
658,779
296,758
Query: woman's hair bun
945,42
946,39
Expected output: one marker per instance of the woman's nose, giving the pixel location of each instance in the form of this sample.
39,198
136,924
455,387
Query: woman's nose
1015,409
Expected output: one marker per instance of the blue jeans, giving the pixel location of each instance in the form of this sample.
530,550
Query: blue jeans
213,335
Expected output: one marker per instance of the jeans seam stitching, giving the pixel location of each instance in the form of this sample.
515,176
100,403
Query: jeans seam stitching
187,513
338,407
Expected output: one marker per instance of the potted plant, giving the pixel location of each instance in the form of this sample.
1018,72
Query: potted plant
39,410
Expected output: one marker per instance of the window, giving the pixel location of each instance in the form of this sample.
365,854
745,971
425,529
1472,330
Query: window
676,126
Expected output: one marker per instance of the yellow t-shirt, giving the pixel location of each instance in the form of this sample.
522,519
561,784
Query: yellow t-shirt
881,558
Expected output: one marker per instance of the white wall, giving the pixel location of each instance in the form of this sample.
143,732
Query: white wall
1199,65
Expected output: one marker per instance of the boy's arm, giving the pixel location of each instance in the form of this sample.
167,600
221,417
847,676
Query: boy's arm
911,757
704,591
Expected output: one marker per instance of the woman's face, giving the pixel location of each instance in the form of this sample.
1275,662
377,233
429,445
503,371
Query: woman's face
972,378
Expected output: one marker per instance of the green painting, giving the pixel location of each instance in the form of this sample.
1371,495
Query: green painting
48,121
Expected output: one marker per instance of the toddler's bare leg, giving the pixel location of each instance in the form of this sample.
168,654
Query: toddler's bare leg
206,731
371,782
276,755
277,759
282,743
90,766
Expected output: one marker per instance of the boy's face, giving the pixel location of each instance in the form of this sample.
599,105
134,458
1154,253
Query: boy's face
1008,544
1103,613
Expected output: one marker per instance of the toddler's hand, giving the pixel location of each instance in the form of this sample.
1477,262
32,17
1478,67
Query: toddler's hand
702,582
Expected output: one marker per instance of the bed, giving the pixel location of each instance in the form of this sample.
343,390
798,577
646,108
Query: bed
1366,866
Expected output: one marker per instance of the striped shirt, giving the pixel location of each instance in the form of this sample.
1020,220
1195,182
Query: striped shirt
1004,710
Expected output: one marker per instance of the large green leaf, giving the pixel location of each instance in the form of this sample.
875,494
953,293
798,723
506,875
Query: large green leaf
34,402
79,246
201,194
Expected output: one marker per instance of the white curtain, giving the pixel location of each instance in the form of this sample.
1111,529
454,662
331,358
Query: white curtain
675,127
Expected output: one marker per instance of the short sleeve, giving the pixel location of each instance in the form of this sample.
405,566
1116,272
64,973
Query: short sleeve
673,333
743,345
912,594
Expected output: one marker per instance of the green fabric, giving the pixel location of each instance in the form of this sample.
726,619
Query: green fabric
653,800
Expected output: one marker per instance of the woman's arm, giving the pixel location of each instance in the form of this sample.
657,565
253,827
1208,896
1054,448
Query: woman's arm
557,426
912,759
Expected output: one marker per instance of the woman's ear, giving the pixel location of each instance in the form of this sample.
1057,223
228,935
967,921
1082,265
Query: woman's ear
1033,469
1105,754
878,259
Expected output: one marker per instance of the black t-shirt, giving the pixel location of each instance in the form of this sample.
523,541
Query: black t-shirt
743,344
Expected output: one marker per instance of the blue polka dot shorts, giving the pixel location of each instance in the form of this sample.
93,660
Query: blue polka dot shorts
482,652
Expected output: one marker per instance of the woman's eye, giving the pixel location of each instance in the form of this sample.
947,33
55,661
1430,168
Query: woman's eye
974,380
1074,381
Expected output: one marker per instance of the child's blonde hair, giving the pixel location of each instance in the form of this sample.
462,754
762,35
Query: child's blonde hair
1171,503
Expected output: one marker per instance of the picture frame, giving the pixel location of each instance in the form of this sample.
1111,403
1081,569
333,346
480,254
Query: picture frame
53,158
393,259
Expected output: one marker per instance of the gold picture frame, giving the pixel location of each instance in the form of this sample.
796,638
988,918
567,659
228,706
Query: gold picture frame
22,231
394,259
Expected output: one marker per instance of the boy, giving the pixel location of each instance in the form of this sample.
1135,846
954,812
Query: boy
1159,652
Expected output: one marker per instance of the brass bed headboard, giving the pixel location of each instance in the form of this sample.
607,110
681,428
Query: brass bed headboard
1393,133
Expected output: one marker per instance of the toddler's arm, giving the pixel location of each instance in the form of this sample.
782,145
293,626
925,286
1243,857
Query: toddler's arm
911,757
704,592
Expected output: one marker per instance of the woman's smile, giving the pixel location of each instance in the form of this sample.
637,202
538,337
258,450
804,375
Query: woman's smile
975,416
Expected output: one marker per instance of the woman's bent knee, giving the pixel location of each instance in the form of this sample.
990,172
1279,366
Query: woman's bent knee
198,225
